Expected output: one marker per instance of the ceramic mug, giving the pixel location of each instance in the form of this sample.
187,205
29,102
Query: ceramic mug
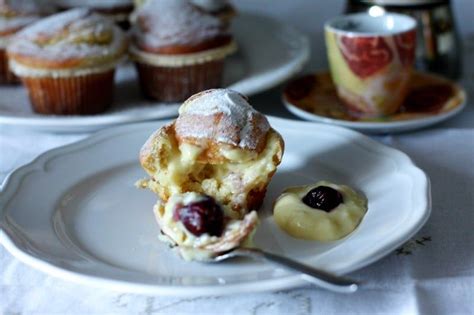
371,59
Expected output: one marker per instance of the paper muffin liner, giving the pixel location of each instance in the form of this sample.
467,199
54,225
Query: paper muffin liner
180,60
74,95
174,78
6,76
176,84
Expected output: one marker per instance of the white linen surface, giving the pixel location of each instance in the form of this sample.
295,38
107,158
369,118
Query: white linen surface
431,274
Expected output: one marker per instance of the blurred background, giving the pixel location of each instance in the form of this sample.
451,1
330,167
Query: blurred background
310,18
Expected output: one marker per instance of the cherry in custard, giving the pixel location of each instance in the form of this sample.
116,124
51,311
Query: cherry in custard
323,198
200,217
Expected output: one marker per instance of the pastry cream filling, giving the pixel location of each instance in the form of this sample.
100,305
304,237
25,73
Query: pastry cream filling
192,247
182,59
237,154
302,221
178,170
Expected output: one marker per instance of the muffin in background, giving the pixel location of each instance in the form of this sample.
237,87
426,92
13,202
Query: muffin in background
67,62
15,15
117,10
222,9
178,49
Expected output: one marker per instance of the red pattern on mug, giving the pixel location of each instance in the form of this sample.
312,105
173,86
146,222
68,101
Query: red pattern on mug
405,43
365,56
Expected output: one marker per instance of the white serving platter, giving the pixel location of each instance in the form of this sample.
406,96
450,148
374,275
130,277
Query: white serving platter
269,53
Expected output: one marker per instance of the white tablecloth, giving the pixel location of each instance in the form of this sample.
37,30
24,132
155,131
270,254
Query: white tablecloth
431,274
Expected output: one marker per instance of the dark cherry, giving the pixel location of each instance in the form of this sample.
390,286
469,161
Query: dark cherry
323,198
204,216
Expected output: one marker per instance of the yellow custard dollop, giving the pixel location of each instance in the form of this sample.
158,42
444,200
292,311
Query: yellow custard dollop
304,222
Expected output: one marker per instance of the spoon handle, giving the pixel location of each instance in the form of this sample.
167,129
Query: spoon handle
315,276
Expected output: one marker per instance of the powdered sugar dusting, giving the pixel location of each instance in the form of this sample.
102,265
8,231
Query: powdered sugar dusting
240,124
77,33
161,23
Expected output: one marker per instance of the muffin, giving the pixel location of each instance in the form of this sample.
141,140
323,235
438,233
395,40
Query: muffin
15,15
219,146
117,10
67,62
178,49
210,169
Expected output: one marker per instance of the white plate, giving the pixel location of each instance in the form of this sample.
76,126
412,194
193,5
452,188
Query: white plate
269,53
74,213
376,127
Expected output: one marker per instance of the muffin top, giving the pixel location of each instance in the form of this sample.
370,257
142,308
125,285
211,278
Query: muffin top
176,27
16,14
77,38
223,116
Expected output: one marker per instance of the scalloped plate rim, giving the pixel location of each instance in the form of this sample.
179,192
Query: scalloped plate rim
11,242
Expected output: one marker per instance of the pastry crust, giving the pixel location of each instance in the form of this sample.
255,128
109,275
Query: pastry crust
223,125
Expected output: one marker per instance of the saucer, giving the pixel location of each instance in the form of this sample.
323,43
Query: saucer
431,99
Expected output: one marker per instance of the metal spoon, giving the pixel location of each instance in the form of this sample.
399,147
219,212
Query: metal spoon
320,278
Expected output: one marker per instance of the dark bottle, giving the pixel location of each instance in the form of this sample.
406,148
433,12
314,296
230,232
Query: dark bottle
438,46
